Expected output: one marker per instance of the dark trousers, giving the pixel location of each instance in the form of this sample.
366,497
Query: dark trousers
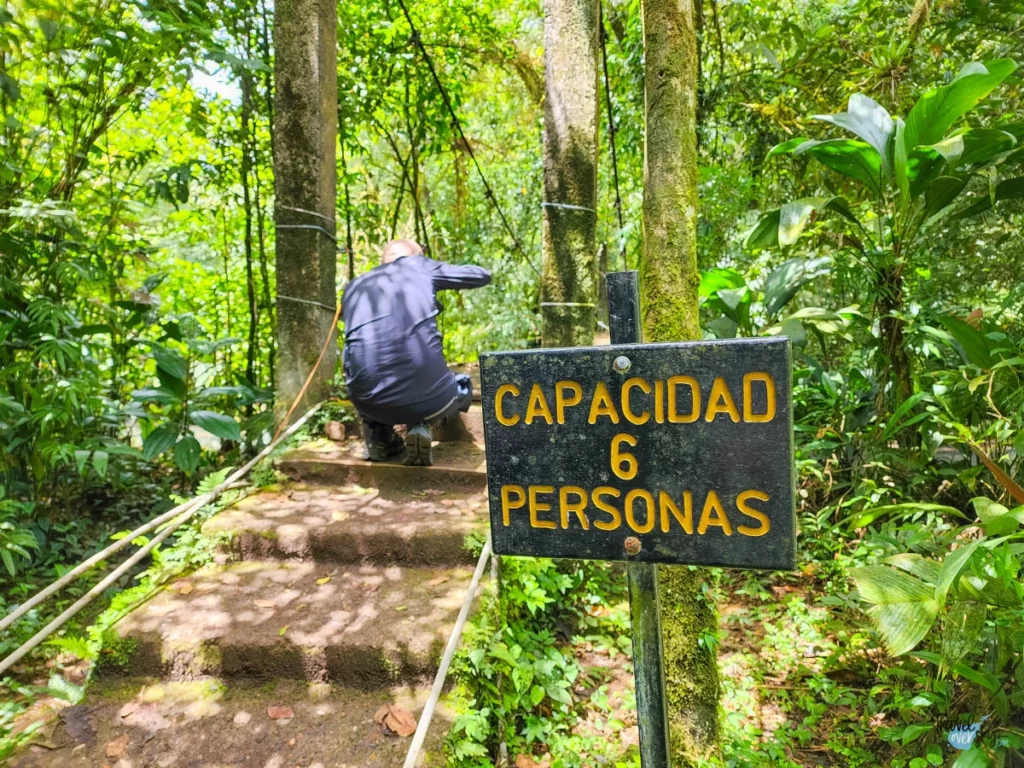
462,398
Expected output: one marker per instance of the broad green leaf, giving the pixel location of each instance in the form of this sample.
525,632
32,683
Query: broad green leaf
952,565
882,585
170,362
855,159
100,460
766,233
961,628
722,327
784,281
996,519
794,331
925,569
186,454
224,427
936,111
973,758
979,677
159,440
794,218
980,146
914,732
712,280
903,625
870,121
900,153
81,458
942,192
155,395
785,147
975,344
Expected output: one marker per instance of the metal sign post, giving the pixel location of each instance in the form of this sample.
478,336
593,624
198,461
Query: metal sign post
677,453
644,603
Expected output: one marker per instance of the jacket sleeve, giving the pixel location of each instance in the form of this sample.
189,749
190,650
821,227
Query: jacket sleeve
457,277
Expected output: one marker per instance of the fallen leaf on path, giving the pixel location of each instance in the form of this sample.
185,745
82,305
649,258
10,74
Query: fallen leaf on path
437,581
185,589
335,431
116,748
396,719
282,630
339,517
265,603
401,607
280,713
323,581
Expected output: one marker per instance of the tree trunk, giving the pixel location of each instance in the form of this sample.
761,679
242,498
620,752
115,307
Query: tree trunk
669,281
569,280
305,185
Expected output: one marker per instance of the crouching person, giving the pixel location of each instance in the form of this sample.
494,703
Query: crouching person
394,361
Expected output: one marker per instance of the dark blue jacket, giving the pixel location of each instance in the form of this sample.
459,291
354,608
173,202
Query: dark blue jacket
394,361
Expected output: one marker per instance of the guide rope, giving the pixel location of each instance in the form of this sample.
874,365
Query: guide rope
603,34
183,512
568,206
488,192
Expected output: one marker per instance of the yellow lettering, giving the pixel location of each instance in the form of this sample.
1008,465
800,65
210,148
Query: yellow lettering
538,406
667,506
627,411
720,520
577,507
659,401
562,401
624,465
602,405
508,421
761,517
616,518
673,416
748,400
538,506
720,401
507,505
640,493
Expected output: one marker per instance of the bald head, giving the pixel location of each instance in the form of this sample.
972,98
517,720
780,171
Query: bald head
396,249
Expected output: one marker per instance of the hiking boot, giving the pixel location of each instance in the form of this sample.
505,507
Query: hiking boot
381,447
418,445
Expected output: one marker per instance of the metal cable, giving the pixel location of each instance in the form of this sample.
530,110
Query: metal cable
462,134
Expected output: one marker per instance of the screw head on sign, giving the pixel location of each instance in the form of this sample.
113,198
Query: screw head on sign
621,364
632,545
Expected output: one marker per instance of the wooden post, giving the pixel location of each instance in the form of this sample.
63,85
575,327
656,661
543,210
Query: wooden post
644,608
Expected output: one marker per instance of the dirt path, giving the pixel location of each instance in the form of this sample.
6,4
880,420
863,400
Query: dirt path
333,596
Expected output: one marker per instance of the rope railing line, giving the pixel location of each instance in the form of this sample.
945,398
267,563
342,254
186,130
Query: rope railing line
449,653
184,512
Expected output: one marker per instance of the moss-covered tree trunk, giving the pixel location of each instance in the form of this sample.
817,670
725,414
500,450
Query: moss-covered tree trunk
569,280
669,282
305,187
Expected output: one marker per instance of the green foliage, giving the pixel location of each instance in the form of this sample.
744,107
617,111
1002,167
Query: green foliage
515,673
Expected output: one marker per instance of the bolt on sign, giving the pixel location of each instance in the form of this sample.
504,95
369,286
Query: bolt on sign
661,453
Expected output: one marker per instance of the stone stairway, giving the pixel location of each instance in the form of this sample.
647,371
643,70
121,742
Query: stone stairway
333,595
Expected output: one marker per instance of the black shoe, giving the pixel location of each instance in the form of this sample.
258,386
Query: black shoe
382,451
418,445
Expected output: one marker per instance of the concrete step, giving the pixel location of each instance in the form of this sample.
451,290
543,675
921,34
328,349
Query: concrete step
322,462
351,525
205,723
363,627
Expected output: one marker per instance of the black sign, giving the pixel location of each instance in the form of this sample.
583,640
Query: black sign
662,453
